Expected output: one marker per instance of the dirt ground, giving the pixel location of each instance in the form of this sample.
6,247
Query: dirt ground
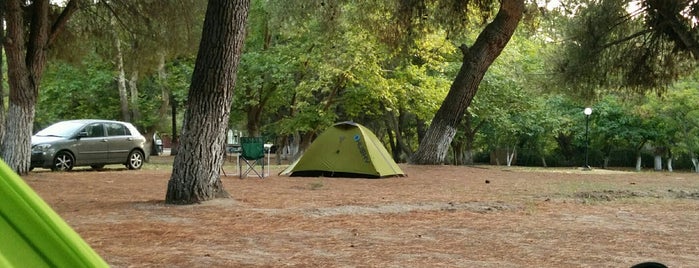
438,216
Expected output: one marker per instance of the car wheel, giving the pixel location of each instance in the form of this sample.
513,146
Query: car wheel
97,167
63,161
135,160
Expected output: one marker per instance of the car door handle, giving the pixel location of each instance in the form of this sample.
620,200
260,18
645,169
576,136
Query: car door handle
129,139
104,140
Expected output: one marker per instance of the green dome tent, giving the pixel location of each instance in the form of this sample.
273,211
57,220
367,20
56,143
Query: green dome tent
33,235
346,149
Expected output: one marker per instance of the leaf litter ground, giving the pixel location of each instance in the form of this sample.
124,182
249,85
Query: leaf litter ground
438,216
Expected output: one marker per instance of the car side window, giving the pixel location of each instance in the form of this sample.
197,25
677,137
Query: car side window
95,130
115,129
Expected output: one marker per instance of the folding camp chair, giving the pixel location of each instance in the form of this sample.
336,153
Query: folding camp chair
252,154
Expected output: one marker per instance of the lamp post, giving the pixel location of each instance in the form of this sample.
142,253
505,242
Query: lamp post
587,112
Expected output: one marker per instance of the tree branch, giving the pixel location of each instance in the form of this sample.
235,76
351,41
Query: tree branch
608,45
61,21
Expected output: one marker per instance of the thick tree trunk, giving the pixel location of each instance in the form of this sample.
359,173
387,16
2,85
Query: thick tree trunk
17,140
26,59
658,163
195,175
658,158
476,61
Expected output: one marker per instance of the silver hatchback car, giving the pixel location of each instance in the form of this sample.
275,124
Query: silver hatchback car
88,142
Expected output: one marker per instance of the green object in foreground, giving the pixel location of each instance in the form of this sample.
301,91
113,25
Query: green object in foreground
32,234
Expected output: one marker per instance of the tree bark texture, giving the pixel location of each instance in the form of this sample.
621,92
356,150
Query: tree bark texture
477,59
26,58
195,175
121,79
174,150
658,162
638,162
164,90
133,89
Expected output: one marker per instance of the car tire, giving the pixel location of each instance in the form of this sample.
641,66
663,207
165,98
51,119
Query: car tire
64,161
135,160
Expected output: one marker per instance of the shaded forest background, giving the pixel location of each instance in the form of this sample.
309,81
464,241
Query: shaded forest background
309,64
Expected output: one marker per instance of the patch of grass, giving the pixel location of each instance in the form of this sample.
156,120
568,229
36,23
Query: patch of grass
316,185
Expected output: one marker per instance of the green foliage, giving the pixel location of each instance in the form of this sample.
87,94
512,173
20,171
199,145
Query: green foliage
72,92
179,77
617,124
146,29
361,81
608,45
307,65
676,116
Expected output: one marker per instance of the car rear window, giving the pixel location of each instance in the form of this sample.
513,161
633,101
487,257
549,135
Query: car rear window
115,129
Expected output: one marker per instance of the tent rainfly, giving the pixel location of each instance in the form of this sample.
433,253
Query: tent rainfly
346,149
32,234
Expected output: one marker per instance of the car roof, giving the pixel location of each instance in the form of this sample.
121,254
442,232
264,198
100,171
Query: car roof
88,121
131,127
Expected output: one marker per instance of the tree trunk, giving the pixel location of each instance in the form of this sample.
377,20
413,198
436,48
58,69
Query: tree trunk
669,160
164,90
470,133
511,156
281,144
195,175
295,147
254,116
133,87
565,144
658,157
174,146
26,59
476,61
395,137
458,148
392,140
121,79
638,162
658,163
